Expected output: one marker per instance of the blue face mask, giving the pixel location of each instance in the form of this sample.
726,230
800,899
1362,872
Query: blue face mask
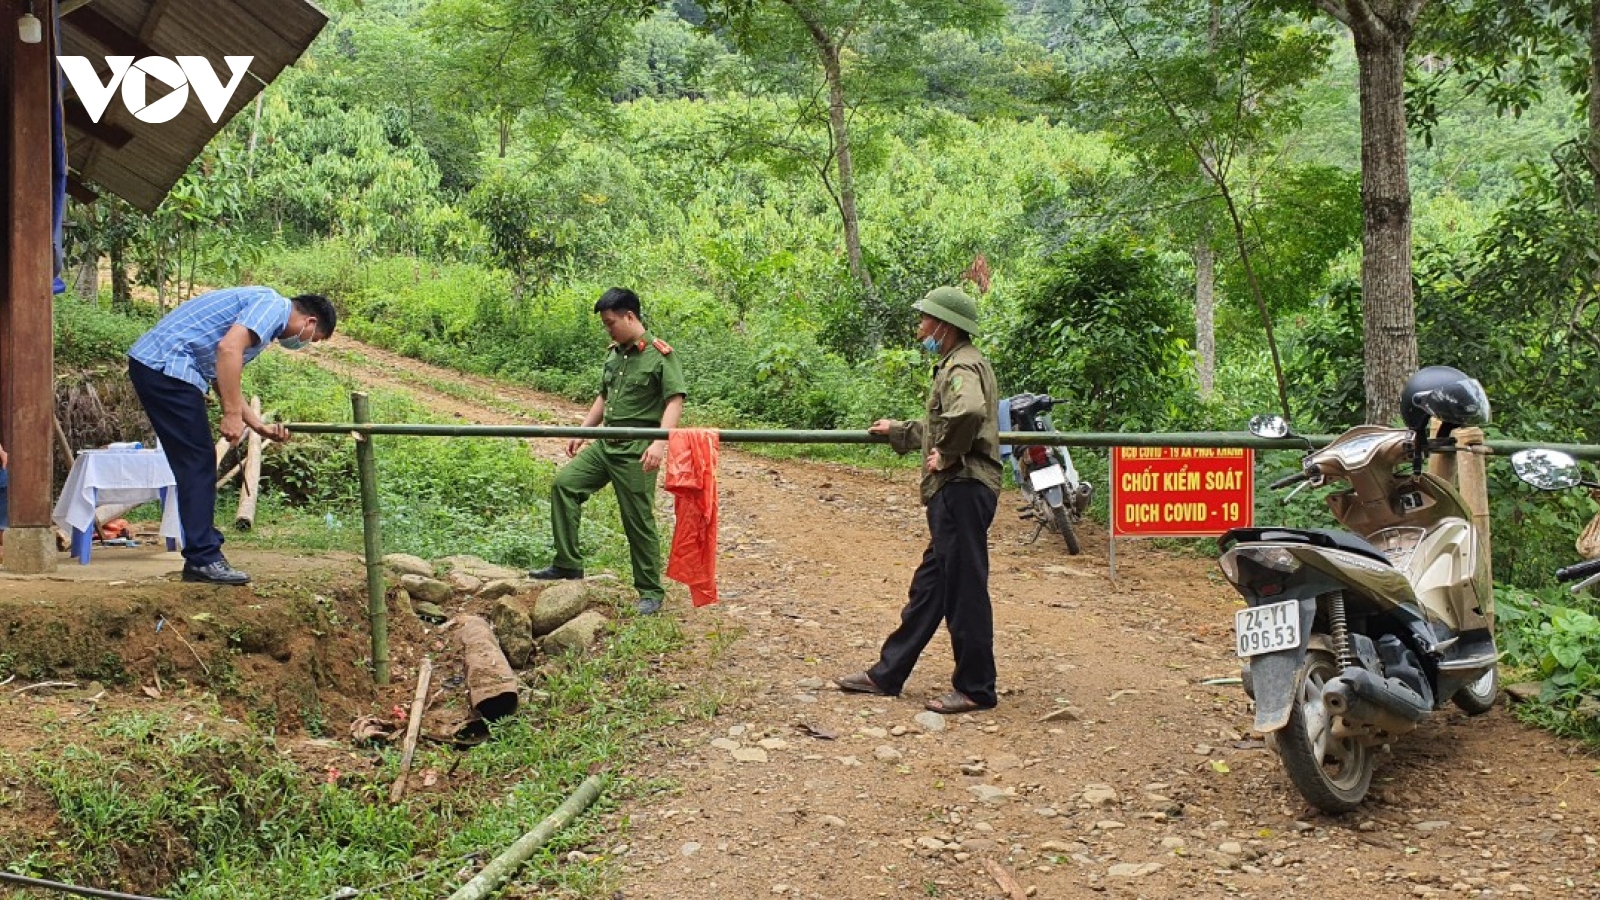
298,341
931,344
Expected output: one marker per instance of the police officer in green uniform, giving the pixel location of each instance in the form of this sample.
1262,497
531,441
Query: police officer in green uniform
960,443
642,387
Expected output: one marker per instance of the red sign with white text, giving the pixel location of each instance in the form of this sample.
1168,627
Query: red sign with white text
1181,491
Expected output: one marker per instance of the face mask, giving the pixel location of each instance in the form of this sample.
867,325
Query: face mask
931,343
298,341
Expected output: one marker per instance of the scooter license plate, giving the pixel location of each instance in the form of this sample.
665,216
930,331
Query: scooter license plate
1047,477
1266,629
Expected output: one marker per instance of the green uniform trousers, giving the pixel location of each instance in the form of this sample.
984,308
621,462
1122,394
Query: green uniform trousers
595,466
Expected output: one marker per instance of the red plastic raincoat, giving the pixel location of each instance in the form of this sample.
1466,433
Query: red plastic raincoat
692,479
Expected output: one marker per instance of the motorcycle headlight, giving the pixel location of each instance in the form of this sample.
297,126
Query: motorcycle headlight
1275,558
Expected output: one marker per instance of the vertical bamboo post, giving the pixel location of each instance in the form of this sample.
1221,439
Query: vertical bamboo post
250,485
1473,481
372,539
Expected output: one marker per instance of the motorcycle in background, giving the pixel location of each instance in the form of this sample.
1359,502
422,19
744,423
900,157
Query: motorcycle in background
1353,637
1054,495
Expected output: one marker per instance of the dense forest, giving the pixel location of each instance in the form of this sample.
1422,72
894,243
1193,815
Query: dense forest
1162,205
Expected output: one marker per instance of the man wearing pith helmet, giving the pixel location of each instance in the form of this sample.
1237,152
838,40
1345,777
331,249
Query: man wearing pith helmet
960,443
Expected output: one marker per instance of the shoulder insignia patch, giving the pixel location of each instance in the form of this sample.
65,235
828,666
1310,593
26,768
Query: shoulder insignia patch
662,346
955,383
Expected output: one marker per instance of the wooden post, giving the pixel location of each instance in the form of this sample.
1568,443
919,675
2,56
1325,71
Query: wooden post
408,748
250,485
27,341
372,541
62,443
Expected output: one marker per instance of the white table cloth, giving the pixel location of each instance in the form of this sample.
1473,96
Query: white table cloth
101,477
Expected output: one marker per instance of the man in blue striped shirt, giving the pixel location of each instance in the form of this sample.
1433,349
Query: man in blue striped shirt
208,340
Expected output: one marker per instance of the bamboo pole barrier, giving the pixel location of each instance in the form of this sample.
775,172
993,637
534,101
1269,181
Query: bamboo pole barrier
249,487
1216,439
502,867
372,542
413,728
1473,480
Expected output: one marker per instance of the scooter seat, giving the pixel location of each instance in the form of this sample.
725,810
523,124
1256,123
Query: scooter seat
1319,537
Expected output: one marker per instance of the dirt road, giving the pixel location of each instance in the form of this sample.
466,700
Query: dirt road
1109,766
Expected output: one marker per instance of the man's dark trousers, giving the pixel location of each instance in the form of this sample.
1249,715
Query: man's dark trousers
178,413
951,586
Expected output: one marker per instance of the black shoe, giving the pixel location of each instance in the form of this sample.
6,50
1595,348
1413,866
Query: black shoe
556,573
218,572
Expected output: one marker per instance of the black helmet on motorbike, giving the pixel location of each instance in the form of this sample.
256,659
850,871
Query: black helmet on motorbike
1444,393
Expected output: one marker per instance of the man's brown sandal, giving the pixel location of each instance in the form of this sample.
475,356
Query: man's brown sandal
860,683
955,702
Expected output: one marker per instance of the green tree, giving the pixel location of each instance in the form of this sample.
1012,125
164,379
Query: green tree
1198,94
841,57
554,60
1381,31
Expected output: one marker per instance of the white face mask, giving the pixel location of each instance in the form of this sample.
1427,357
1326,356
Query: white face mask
300,340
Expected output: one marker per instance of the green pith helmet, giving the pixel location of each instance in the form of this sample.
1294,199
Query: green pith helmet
950,304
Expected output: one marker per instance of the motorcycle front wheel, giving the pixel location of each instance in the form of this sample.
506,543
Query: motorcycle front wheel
1063,522
1477,698
1332,773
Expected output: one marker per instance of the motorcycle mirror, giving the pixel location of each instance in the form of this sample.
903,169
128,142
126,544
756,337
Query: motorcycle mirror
1547,470
1267,426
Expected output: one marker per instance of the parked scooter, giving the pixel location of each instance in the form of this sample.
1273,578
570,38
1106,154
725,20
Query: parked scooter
1552,470
1053,494
1353,637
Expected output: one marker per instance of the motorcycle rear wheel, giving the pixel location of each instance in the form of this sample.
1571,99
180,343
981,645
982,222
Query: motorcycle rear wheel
1064,525
1333,774
1477,698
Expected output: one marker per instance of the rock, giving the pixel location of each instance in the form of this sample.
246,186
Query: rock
559,604
494,590
988,793
421,587
509,619
1005,762
811,684
874,732
1064,714
478,568
1231,848
429,612
930,843
723,743
1524,691
1172,842
1429,827
1109,825
773,744
466,584
689,849
887,753
750,754
831,821
973,769
1099,795
406,564
930,721
577,634
402,602
1133,870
